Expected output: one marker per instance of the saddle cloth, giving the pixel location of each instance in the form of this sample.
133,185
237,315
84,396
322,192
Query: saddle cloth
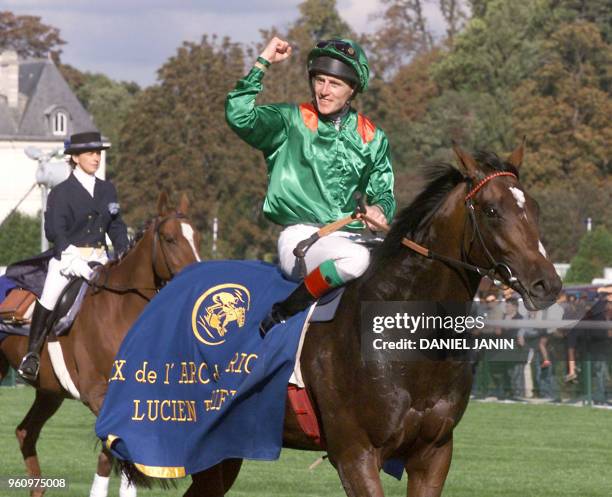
194,383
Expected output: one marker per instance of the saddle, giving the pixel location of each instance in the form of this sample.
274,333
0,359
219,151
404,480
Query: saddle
17,307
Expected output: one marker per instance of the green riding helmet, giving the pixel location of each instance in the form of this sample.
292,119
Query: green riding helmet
341,58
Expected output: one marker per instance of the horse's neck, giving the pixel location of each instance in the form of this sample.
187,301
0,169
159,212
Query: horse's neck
136,268
411,276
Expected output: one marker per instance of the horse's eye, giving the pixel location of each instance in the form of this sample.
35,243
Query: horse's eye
490,211
169,239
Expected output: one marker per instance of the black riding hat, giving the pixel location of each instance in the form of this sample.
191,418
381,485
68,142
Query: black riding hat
84,142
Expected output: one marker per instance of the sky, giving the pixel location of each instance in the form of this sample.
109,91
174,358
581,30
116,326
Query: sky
130,39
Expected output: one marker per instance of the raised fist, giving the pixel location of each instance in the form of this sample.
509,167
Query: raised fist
277,50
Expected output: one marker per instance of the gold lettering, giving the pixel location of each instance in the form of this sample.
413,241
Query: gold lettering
169,366
232,364
191,411
181,405
118,375
135,417
166,410
184,376
144,376
240,362
218,398
192,370
246,363
202,380
150,403
164,403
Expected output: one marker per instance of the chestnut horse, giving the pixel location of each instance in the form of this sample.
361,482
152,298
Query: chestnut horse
112,304
371,411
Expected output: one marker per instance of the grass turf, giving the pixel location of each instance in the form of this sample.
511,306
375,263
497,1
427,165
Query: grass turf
501,450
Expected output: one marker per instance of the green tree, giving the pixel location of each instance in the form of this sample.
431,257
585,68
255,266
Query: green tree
564,107
594,254
28,36
403,33
19,238
175,138
109,102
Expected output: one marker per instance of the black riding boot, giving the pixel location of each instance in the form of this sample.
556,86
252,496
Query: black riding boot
28,369
297,301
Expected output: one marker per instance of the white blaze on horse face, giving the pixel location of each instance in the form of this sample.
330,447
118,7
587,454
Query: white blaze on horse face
519,196
188,233
542,249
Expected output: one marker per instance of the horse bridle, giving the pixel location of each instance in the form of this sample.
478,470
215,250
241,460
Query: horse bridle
157,242
497,268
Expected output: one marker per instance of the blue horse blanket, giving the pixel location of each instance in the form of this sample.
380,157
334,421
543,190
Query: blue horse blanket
193,382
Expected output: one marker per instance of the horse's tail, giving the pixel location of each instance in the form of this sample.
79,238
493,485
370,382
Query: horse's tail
139,479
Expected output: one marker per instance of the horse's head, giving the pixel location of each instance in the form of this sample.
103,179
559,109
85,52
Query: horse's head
504,232
175,240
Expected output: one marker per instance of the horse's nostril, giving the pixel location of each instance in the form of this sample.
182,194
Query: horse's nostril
539,288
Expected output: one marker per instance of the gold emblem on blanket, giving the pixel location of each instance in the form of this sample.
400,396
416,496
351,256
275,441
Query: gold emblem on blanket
218,311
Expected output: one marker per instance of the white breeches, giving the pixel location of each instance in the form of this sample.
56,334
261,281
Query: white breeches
345,248
55,281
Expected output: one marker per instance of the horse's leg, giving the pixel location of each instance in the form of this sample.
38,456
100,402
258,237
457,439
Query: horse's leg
427,470
230,469
45,405
208,483
99,487
358,472
4,366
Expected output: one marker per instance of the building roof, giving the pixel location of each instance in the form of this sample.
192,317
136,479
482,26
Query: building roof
42,91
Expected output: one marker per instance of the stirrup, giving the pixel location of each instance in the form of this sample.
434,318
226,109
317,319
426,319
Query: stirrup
29,372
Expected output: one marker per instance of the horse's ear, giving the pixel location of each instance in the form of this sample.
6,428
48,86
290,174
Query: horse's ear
465,160
516,157
162,204
183,204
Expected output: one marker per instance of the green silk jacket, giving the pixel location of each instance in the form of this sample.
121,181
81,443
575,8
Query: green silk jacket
313,167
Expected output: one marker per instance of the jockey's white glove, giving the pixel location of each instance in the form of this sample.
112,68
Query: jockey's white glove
68,255
78,267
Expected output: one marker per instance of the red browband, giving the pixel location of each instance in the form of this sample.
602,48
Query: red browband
483,182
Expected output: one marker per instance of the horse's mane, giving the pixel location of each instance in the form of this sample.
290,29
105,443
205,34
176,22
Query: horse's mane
440,178
132,243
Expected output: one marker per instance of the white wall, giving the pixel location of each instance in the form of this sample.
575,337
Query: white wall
18,174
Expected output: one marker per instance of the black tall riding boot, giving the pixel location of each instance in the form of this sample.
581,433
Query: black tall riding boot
28,369
316,284
296,302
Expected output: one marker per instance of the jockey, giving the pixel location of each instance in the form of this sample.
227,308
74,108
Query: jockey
80,212
319,155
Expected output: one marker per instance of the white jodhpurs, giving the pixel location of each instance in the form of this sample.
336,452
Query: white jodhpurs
351,258
55,282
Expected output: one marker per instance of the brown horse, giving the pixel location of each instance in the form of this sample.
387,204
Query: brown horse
370,411
112,304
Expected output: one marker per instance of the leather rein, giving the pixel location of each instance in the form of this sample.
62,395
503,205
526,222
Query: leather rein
497,268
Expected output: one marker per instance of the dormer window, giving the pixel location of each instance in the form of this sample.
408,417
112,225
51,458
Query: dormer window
60,123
